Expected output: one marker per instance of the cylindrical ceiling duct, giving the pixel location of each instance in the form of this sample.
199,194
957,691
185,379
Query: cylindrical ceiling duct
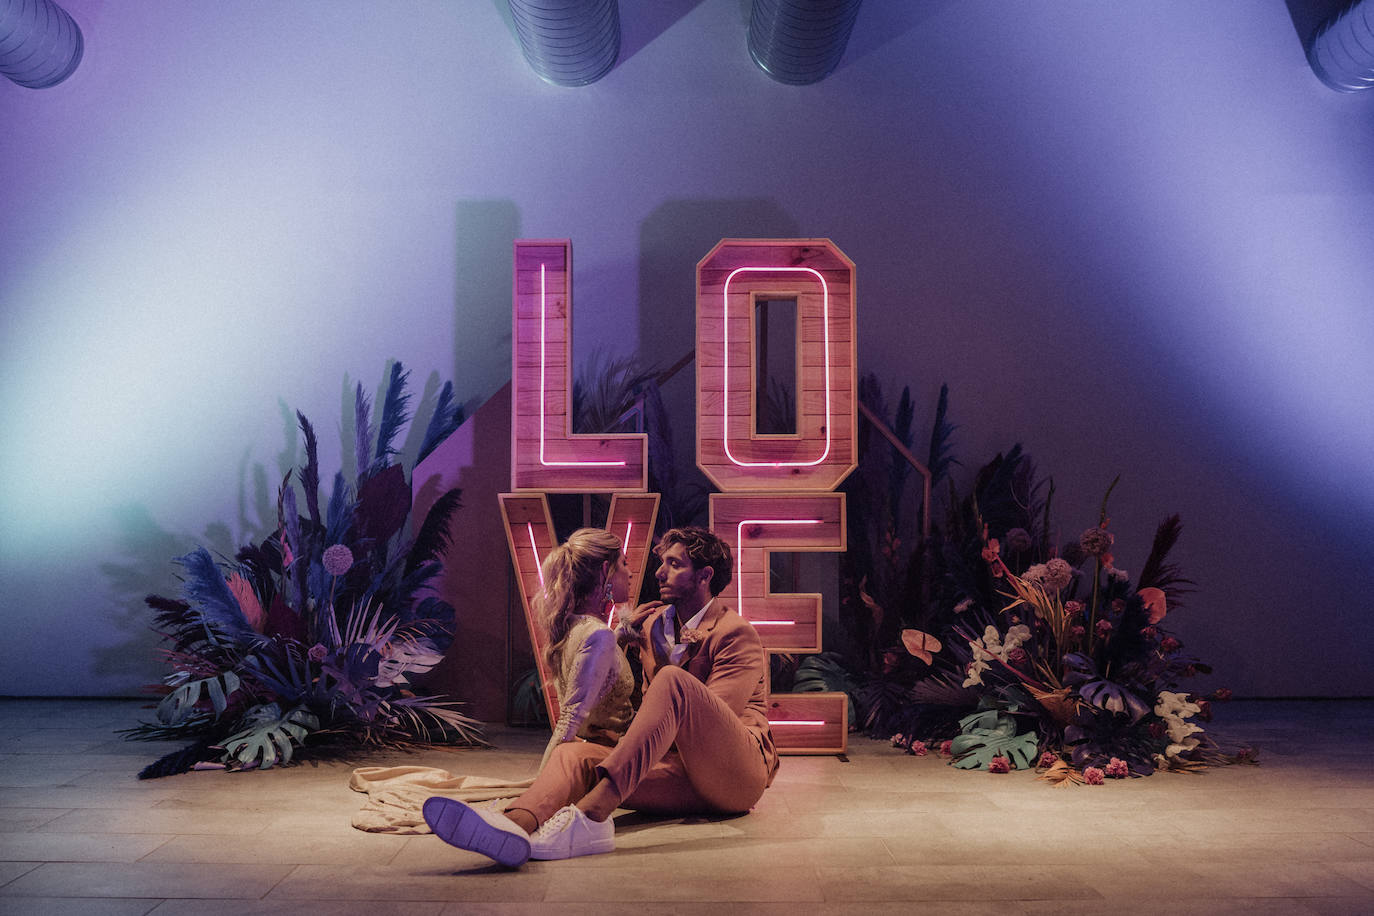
800,41
40,43
1342,53
568,42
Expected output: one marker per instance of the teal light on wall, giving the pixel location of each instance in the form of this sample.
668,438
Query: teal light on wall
40,43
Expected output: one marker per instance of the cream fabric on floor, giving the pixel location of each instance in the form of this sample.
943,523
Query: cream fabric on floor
395,795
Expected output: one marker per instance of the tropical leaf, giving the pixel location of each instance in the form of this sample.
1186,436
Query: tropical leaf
1060,774
383,505
362,439
181,760
211,599
1114,698
823,673
939,459
179,704
338,515
433,538
269,736
394,416
989,734
1160,574
310,472
406,655
447,417
942,690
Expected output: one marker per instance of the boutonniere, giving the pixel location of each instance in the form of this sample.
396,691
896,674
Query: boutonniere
691,636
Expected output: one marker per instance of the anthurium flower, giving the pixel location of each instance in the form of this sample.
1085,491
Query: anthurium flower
1153,599
920,644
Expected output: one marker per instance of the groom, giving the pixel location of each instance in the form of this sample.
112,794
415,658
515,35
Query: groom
699,743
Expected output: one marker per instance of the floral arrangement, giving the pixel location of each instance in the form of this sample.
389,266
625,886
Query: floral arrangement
310,638
985,639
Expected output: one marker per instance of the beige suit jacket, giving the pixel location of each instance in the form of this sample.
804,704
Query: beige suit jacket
730,660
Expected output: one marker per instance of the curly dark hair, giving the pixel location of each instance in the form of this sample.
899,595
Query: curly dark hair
704,548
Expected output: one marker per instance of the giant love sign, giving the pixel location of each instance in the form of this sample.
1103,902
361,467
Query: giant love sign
777,487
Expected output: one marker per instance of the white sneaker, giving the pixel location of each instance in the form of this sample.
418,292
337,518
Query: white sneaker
479,830
571,833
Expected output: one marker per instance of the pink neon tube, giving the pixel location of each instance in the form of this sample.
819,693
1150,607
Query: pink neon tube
825,325
543,363
739,583
538,566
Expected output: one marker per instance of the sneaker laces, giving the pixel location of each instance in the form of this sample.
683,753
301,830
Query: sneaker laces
556,823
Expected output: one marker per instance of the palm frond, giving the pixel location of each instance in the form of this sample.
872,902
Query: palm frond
339,512
1157,573
212,600
362,441
394,415
433,538
940,458
447,417
180,761
310,471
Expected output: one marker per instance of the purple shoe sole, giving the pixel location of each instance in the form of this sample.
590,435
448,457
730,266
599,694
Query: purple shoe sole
459,825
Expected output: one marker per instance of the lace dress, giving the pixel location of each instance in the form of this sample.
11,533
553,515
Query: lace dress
594,688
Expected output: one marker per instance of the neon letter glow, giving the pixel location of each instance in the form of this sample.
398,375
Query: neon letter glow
730,280
545,455
725,371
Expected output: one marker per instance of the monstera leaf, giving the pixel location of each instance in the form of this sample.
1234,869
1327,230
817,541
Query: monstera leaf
269,736
1114,698
990,734
178,705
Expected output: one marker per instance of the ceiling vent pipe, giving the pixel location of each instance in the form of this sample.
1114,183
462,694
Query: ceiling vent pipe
1342,52
800,41
40,43
568,42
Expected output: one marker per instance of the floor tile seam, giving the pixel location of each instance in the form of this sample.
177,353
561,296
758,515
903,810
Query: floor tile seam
27,871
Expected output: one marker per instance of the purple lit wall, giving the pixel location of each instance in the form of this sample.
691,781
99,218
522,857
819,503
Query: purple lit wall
1134,237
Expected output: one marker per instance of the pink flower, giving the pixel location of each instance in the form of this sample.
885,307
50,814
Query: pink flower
691,636
1073,608
1093,776
1017,657
898,739
1247,755
1117,768
338,559
918,748
1096,541
999,764
1204,710
1047,759
1058,574
1169,644
1157,729
991,552
1149,632
1078,631
318,652
1221,694
1104,629
947,748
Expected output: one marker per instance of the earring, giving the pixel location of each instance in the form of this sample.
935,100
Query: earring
610,598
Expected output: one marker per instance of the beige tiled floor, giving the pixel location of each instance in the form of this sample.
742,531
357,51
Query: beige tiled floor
879,833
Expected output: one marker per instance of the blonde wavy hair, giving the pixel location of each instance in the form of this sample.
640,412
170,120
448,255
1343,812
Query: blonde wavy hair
572,573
